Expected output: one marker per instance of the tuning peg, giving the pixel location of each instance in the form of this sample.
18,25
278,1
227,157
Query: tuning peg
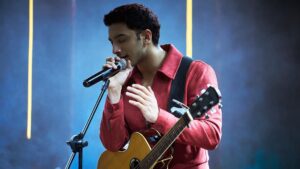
220,105
199,98
206,116
213,110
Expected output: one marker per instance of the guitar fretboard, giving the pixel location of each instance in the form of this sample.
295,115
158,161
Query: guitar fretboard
164,143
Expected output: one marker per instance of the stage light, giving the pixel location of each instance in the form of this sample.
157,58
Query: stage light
30,48
189,28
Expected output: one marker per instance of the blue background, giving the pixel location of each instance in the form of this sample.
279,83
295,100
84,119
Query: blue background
252,45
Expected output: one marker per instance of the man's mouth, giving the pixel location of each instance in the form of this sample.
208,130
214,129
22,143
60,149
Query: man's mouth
126,57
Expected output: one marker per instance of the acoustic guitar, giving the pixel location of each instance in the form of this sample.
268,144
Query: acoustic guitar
148,149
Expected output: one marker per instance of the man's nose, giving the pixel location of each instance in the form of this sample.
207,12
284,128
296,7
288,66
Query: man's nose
116,50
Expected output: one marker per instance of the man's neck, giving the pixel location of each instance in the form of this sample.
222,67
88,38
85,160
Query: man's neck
152,62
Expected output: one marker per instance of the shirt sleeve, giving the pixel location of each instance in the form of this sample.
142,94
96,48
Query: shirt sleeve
202,132
112,121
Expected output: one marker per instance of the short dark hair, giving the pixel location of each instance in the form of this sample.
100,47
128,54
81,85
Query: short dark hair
136,17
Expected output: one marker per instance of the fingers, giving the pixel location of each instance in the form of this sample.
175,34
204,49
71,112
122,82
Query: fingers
140,88
113,59
136,98
137,104
150,89
144,99
110,65
110,62
137,91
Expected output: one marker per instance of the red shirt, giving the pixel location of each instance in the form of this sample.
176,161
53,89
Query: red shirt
190,148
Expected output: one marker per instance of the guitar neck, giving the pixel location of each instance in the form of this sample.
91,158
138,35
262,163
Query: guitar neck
165,142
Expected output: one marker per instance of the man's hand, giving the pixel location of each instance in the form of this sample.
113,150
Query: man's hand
145,100
116,81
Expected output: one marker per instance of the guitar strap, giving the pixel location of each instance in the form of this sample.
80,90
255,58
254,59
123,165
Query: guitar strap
178,85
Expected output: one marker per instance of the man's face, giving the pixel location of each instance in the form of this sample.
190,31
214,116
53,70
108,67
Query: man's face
126,43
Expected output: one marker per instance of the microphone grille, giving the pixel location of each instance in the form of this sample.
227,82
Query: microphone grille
122,64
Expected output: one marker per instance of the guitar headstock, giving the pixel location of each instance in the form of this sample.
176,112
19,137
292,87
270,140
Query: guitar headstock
209,98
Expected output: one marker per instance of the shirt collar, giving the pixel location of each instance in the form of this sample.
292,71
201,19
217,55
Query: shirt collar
169,65
171,62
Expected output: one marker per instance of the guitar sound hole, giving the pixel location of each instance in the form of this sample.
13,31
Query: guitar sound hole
134,163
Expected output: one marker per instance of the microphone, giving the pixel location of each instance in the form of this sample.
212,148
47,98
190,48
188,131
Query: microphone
105,73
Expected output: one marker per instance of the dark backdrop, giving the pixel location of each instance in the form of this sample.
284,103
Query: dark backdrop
252,45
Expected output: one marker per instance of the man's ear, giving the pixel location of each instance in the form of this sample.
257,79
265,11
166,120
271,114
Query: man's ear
147,34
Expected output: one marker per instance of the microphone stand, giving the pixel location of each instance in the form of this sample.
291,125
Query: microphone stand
76,142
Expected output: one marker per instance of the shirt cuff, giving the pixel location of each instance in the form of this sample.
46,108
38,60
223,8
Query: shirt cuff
114,110
165,121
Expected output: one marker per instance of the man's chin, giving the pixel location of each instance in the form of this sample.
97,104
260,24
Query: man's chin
132,63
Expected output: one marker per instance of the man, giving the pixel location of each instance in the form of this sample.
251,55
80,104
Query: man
138,96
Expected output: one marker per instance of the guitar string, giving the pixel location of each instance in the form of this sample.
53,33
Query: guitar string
174,132
186,120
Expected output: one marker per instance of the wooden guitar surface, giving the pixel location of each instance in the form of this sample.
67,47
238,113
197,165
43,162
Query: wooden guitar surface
138,148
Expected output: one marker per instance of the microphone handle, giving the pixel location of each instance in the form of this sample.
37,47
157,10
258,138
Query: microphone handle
102,75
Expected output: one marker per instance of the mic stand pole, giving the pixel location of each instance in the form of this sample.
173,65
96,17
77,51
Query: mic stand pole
76,142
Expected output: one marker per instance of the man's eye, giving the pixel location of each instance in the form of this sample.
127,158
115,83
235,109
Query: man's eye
122,40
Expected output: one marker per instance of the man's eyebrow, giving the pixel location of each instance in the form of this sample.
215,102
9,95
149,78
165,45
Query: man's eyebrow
117,36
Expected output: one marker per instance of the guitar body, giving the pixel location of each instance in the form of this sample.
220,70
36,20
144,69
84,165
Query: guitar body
140,145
